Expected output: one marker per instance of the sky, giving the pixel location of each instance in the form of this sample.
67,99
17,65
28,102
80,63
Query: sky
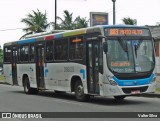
147,12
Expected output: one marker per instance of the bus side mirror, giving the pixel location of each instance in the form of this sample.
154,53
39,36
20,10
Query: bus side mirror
101,36
105,47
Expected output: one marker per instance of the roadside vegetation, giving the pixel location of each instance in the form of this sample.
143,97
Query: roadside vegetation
36,22
1,77
129,21
158,90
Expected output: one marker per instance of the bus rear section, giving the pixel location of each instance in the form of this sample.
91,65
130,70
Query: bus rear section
7,66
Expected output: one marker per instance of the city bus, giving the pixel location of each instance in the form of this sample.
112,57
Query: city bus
107,60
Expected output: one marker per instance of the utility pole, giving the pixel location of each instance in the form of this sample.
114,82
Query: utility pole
114,16
55,14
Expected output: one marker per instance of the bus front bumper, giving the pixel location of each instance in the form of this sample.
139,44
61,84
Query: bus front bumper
110,90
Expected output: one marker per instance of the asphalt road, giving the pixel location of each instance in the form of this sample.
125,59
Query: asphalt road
13,99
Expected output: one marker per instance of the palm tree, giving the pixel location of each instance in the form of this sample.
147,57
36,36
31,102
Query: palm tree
36,22
129,21
68,23
81,22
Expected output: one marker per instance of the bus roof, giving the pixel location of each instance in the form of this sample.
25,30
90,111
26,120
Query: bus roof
61,33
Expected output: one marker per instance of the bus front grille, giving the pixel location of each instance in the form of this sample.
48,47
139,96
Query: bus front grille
130,90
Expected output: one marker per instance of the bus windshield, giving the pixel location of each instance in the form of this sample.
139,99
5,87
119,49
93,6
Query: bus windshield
130,56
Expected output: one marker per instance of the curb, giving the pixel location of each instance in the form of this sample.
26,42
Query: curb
151,95
4,83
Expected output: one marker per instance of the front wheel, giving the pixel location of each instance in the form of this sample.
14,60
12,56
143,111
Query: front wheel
27,88
79,92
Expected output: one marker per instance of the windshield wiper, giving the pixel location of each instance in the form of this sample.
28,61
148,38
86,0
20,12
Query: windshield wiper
135,50
137,46
123,44
140,42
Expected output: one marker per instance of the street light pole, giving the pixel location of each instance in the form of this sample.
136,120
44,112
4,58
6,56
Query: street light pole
55,14
114,16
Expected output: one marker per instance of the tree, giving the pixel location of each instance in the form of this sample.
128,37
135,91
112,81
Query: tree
129,21
36,22
68,23
81,22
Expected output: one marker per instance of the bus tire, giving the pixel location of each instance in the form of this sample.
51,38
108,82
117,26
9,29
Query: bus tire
27,88
79,92
119,97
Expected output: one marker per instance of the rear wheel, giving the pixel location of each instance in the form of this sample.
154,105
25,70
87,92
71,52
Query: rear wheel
27,88
79,92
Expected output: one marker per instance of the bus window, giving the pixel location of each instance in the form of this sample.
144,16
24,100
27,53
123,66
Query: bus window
49,51
7,54
101,59
76,48
24,54
32,53
61,49
18,54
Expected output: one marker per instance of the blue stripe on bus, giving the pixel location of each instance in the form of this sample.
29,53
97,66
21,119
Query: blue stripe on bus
58,36
134,82
26,41
46,72
82,71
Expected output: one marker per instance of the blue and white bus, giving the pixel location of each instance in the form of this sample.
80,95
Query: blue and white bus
105,60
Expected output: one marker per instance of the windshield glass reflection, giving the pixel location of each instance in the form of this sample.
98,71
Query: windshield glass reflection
130,56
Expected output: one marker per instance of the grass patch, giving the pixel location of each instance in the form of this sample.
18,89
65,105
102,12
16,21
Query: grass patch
2,77
157,89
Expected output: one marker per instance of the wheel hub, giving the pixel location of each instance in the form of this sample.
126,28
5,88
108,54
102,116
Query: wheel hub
80,90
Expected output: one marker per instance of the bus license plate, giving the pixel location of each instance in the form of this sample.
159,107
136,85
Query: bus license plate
135,92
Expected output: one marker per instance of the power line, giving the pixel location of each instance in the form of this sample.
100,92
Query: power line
10,29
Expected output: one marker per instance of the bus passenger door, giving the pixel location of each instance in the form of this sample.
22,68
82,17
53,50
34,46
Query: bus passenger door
40,67
14,66
93,50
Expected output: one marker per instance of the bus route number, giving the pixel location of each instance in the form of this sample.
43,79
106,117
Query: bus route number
125,32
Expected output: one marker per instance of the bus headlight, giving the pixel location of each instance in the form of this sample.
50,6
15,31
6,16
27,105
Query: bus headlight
112,82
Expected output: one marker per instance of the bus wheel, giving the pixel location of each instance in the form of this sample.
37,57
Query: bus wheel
27,88
79,92
119,97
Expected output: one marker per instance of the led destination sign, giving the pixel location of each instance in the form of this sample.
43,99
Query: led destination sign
127,32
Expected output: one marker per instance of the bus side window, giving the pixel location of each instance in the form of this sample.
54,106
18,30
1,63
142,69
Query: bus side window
101,59
7,54
32,53
76,48
24,54
61,49
49,51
